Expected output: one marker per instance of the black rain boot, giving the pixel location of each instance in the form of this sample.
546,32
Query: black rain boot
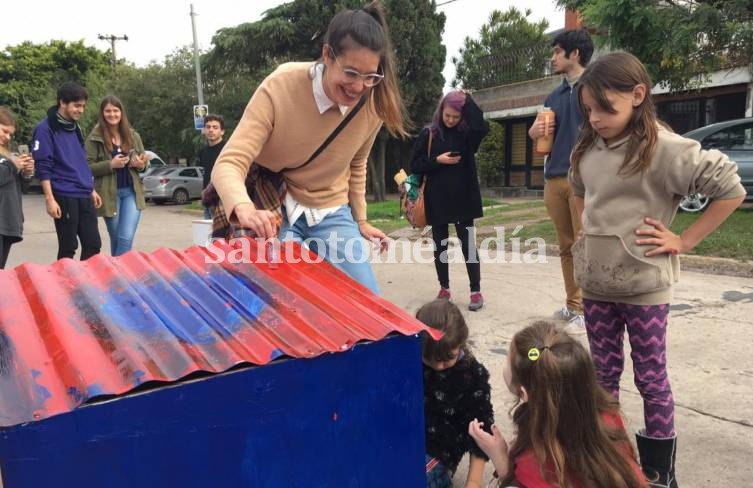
657,459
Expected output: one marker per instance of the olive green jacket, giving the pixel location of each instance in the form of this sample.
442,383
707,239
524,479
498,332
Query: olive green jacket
105,180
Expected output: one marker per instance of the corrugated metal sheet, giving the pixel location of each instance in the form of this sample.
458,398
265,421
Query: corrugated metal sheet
74,330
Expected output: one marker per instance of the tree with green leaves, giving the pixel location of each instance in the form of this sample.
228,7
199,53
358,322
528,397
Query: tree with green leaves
31,73
158,100
490,156
294,31
505,33
677,40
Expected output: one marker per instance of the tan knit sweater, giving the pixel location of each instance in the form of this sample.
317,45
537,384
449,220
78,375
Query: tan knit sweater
281,128
609,266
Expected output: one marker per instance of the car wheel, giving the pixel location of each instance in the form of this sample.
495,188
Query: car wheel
180,196
695,202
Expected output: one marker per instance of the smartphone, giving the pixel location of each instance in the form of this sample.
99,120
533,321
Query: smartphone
23,149
454,153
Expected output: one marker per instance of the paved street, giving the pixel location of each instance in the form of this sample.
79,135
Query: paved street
710,337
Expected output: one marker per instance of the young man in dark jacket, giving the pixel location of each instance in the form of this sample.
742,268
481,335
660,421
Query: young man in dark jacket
65,176
214,131
571,52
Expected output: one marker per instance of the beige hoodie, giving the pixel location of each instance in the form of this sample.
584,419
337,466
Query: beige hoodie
609,266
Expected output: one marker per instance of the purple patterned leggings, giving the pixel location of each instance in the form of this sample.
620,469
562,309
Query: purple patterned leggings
647,332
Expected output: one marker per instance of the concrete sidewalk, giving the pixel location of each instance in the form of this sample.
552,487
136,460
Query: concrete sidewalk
710,337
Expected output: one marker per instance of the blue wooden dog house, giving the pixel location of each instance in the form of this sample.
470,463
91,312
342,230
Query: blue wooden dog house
167,369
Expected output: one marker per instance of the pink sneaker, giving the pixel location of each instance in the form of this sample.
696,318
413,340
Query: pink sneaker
444,294
477,301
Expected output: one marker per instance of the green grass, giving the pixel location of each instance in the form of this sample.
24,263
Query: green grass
733,239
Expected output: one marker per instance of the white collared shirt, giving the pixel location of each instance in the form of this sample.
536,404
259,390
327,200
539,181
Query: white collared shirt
293,208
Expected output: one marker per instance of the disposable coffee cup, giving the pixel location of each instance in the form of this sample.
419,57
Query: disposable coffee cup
545,142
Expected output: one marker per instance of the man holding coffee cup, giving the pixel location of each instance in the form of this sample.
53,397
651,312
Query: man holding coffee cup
571,52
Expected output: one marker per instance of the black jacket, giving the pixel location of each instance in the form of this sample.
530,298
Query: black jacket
452,191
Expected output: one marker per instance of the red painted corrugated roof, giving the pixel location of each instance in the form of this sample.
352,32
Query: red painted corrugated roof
74,330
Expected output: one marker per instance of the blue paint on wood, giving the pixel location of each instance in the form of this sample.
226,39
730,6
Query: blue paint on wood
351,419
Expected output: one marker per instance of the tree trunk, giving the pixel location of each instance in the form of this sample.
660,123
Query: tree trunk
377,164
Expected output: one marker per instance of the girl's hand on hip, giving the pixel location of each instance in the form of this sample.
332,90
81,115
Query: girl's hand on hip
445,158
665,240
262,222
494,445
376,236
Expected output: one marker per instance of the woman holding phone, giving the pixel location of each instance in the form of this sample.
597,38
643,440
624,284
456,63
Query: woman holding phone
116,156
12,169
444,154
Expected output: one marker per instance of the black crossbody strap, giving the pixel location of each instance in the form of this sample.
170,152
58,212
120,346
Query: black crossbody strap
337,130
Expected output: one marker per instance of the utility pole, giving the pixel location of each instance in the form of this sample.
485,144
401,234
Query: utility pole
112,40
197,63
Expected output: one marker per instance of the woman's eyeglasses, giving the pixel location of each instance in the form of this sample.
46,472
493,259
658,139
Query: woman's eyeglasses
369,79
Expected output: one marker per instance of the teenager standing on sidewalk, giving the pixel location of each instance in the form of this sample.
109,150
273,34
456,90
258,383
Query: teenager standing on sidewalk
116,173
12,169
214,131
571,52
65,176
444,153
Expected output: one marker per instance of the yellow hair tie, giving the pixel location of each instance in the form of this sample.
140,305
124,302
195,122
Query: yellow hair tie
534,354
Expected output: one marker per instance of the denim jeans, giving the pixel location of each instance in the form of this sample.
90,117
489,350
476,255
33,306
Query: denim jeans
337,239
122,226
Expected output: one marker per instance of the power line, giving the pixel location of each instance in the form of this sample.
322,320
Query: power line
446,2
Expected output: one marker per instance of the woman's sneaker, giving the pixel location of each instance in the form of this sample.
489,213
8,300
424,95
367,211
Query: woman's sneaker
444,294
477,301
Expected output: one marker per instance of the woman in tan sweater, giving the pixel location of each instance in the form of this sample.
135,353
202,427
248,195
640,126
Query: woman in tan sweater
291,114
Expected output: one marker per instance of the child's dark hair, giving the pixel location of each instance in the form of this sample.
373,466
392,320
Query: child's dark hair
574,39
215,118
561,421
620,72
71,92
446,317
367,27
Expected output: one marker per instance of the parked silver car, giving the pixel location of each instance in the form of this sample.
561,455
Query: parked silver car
735,139
155,163
179,184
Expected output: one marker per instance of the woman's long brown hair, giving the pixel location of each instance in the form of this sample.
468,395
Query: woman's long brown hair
620,72
6,118
367,27
561,422
123,129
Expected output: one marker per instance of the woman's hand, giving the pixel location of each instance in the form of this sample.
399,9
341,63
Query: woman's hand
262,222
447,158
494,445
119,161
665,240
374,235
24,164
138,162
